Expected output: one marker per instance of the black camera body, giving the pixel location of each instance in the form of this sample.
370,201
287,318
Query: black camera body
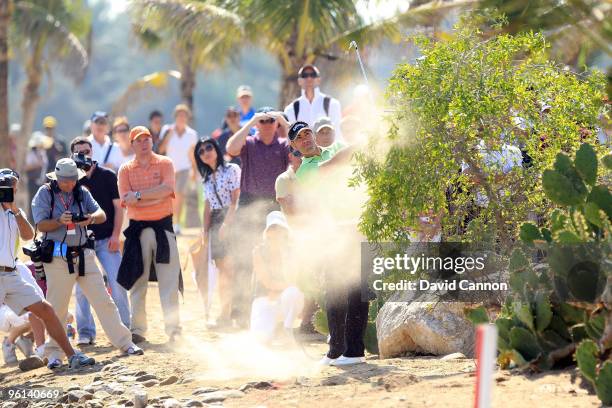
78,217
83,162
7,195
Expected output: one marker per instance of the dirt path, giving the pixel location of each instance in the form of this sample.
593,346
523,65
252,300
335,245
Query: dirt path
232,370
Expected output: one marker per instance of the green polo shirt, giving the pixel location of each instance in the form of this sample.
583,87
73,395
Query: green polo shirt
310,165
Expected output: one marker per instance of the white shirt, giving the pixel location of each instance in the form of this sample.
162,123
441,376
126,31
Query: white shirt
117,158
180,147
100,150
9,233
311,112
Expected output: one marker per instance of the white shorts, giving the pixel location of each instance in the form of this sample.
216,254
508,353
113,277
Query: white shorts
9,320
18,293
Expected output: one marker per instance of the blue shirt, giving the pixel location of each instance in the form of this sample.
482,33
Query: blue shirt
41,207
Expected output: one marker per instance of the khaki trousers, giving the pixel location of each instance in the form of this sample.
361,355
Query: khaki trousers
60,284
168,283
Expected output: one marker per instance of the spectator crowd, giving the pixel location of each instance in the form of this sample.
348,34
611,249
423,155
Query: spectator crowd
107,207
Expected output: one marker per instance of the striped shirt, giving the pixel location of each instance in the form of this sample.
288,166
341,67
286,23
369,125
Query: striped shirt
135,177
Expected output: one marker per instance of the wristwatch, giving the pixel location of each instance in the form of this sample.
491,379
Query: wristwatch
138,195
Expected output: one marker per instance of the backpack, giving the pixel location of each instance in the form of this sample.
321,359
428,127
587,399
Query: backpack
296,106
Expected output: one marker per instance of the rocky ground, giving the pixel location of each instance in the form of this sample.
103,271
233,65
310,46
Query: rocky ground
208,368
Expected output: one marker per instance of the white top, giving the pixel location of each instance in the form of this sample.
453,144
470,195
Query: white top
226,179
310,112
180,147
9,233
117,158
100,150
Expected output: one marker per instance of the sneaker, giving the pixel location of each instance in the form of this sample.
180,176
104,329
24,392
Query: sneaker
134,350
8,352
137,338
31,363
54,363
326,361
40,351
85,341
25,345
79,360
343,361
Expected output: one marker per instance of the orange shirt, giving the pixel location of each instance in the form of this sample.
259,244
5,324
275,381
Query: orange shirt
134,177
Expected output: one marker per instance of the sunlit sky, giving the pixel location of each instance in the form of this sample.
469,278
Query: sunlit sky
372,9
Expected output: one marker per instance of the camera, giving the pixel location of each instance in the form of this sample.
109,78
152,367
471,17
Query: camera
39,252
83,162
6,190
78,217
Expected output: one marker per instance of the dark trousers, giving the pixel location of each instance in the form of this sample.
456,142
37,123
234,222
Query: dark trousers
251,221
347,318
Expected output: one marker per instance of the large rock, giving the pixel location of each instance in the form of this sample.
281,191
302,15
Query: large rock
423,327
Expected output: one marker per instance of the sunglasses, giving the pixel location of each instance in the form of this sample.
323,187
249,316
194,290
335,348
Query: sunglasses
267,121
122,130
85,152
207,148
309,75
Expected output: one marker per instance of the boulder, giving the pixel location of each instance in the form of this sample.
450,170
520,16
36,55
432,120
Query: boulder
438,328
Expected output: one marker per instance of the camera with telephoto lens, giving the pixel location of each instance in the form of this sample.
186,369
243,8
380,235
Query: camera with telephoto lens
34,251
83,162
7,194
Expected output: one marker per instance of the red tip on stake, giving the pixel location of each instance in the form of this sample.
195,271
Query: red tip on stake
486,351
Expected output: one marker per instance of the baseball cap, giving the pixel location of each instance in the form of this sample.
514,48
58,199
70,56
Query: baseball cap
243,90
138,131
322,122
49,122
97,115
276,218
6,172
66,169
265,109
296,128
311,66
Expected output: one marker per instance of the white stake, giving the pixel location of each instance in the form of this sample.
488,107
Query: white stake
486,351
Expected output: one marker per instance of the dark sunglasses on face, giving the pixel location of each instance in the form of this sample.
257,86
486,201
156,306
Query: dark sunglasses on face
207,148
122,130
309,75
86,152
267,121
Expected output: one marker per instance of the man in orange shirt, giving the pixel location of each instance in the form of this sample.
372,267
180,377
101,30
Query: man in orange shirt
146,187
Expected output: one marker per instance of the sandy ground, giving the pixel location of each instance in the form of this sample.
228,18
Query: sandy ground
281,376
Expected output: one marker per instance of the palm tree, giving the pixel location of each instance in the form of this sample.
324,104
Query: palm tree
198,34
299,32
578,29
48,32
5,17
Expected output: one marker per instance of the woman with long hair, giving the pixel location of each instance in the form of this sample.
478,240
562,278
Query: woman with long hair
221,190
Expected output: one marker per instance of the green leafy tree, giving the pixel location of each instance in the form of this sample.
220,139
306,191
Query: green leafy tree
46,32
198,34
467,102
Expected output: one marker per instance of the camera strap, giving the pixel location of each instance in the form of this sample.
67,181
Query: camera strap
70,260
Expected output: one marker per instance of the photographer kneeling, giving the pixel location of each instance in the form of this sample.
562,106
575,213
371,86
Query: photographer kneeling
17,294
62,210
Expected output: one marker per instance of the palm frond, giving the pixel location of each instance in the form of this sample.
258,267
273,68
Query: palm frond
189,21
63,46
144,88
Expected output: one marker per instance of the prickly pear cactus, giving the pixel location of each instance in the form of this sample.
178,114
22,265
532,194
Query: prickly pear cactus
557,303
599,374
